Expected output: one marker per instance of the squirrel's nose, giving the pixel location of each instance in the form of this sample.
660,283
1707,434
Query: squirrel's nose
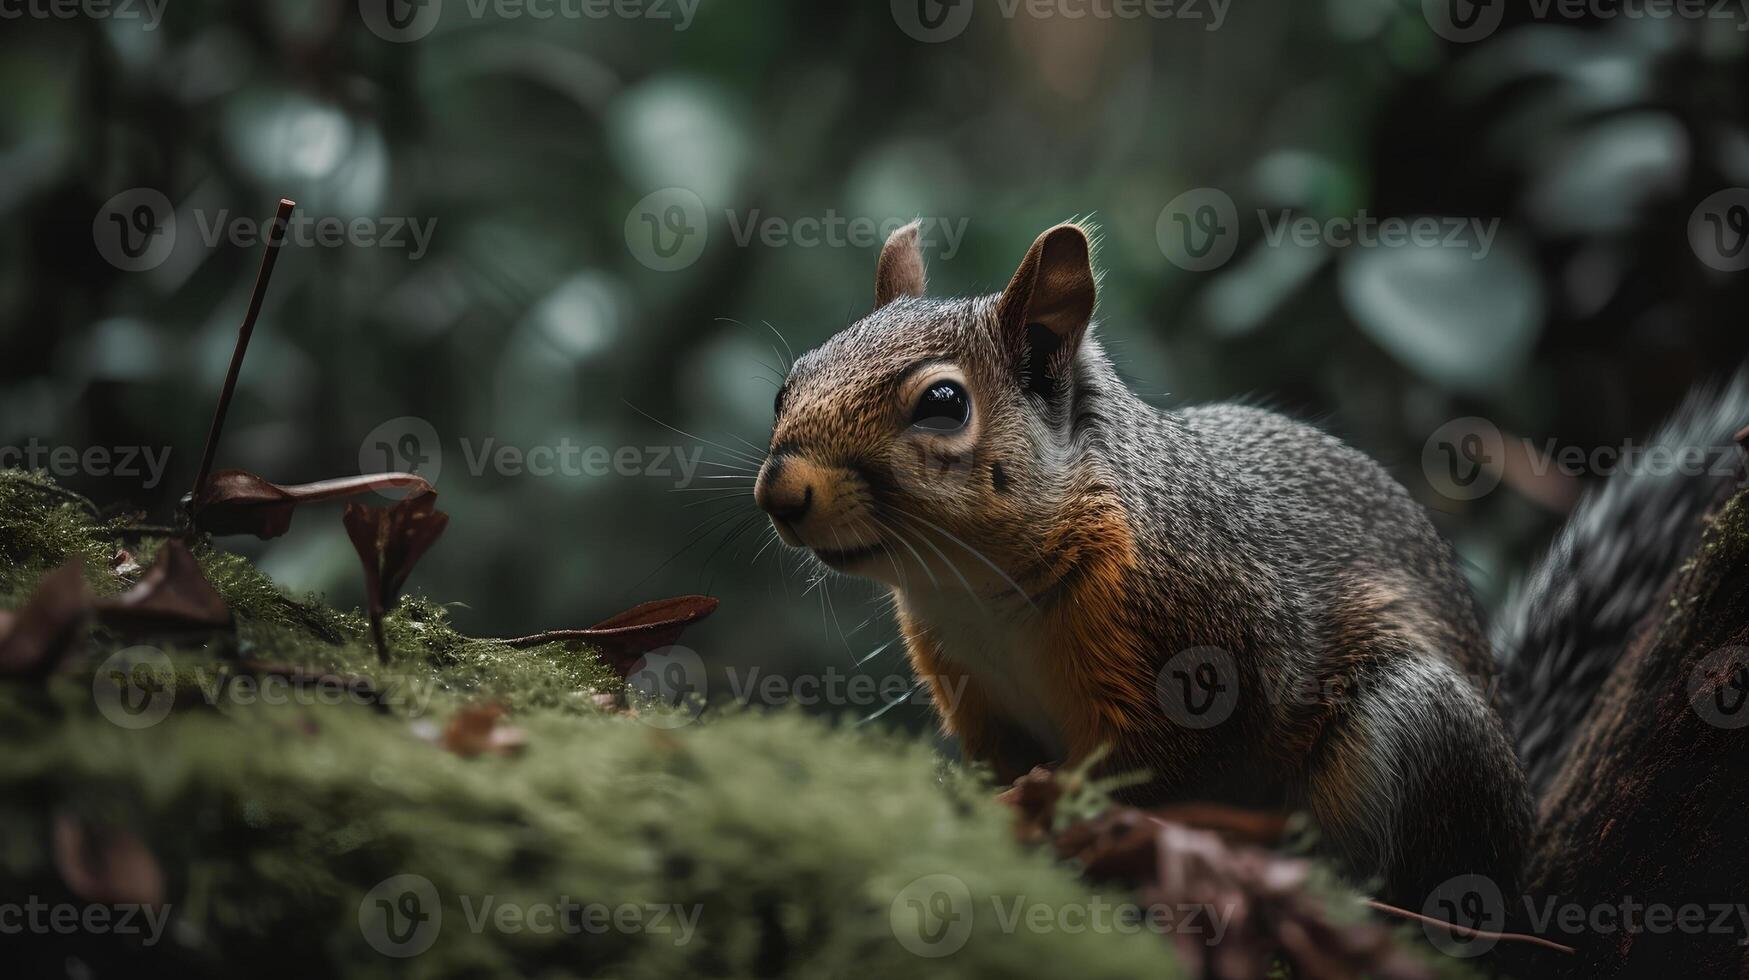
783,491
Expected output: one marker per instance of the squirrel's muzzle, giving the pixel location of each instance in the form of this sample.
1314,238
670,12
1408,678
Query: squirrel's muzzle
815,507
786,490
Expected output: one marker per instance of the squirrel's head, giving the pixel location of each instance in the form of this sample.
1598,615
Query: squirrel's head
921,445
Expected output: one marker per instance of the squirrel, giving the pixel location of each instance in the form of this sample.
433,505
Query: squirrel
1233,602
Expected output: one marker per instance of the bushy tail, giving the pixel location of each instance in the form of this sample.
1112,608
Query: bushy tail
1566,626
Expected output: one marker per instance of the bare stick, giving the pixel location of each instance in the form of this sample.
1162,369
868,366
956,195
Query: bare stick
275,238
1465,932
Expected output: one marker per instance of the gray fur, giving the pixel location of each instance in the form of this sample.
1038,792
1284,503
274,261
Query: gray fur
1565,627
1365,684
1257,534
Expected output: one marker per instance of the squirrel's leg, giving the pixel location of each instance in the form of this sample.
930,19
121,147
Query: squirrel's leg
1414,782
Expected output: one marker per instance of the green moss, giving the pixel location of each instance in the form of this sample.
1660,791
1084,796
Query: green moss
791,840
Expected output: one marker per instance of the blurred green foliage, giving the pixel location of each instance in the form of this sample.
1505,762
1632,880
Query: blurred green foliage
532,319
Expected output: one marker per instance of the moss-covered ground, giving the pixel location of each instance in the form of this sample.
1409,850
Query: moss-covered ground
751,844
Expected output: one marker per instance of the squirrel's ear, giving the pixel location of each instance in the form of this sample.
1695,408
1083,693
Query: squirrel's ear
1048,304
900,270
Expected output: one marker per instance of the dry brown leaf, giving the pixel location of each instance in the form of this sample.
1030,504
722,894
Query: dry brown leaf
1271,911
390,541
625,638
111,866
476,731
239,502
37,639
174,594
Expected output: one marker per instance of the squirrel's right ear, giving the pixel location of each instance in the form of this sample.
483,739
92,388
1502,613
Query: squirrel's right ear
1047,306
900,269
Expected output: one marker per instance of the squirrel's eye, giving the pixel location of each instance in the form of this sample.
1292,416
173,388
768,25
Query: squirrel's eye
777,403
944,407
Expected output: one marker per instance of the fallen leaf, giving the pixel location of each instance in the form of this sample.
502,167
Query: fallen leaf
239,502
172,595
390,541
112,867
475,731
1271,911
124,564
629,635
37,639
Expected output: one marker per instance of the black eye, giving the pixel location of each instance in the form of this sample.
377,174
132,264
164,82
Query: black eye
777,403
944,407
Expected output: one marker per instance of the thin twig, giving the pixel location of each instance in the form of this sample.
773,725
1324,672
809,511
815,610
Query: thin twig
1465,931
275,238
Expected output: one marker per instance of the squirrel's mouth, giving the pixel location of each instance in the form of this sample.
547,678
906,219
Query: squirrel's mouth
842,558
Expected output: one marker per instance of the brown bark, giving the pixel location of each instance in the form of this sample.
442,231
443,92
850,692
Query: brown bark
1650,810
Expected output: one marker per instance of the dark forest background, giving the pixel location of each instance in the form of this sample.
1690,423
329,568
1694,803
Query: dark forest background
535,316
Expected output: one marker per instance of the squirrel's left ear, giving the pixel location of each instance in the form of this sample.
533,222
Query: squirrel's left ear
900,269
1047,306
